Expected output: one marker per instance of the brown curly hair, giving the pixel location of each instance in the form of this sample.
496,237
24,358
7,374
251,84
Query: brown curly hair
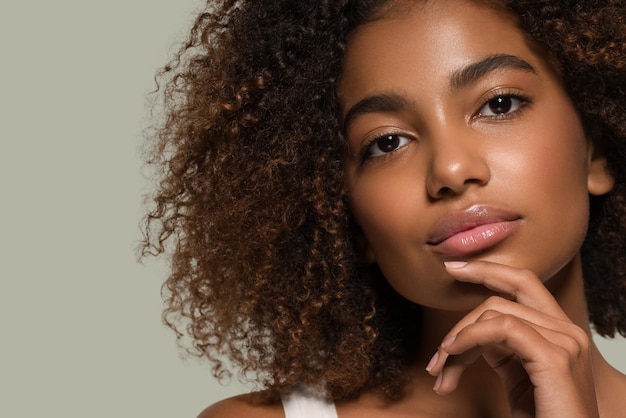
251,191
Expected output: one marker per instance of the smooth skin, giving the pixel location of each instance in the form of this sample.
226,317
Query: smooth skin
503,136
436,126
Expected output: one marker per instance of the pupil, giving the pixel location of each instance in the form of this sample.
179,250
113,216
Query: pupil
501,105
388,143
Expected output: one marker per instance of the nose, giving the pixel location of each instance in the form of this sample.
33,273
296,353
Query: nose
456,164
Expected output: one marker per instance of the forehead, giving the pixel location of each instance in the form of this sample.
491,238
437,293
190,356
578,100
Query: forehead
426,43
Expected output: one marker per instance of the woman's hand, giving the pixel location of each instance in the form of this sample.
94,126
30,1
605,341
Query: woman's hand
543,359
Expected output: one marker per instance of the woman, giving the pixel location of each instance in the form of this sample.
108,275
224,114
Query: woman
355,186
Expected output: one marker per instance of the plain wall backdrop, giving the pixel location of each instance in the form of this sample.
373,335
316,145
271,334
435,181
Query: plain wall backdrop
81,334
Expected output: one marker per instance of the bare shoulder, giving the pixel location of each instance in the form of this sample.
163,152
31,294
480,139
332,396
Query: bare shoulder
242,406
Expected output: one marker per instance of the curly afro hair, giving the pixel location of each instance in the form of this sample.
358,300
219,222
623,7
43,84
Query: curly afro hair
251,196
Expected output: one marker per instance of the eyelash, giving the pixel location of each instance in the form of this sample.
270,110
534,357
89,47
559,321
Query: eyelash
524,101
365,155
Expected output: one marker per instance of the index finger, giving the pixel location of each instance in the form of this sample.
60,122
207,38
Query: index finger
521,285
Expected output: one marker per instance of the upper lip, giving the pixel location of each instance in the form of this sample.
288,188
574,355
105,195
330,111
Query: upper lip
456,222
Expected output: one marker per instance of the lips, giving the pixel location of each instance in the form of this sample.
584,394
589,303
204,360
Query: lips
474,230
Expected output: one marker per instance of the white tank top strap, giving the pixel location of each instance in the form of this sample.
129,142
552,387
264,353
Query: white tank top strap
305,402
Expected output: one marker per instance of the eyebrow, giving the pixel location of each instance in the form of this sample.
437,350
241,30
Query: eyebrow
477,70
390,102
380,103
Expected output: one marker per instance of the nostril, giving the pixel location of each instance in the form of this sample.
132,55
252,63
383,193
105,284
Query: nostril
451,173
446,191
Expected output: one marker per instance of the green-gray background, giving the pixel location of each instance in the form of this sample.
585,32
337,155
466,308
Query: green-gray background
80,320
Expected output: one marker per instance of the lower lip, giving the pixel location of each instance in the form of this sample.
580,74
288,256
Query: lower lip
476,240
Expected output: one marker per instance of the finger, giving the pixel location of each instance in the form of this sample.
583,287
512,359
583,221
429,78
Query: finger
457,359
535,364
501,337
521,285
488,325
454,367
496,306
532,301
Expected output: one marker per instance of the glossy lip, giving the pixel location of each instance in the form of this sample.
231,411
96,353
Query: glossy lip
471,231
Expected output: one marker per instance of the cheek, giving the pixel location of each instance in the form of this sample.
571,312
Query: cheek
390,209
548,159
381,206
551,175
552,171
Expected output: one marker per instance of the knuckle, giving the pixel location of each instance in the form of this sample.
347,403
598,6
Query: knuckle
525,276
489,314
570,346
492,303
582,338
581,343
568,353
509,322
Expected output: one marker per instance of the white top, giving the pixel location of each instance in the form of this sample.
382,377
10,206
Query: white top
304,402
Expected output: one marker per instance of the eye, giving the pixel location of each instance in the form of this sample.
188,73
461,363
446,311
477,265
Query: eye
502,105
385,144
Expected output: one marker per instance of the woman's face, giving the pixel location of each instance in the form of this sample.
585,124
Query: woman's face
462,145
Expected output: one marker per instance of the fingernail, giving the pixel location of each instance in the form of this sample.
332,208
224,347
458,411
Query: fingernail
448,341
432,361
438,382
455,264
